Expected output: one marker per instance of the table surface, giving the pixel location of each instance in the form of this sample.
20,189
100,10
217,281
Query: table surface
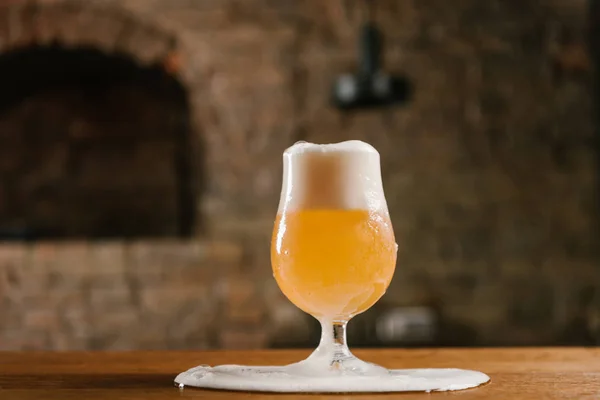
521,373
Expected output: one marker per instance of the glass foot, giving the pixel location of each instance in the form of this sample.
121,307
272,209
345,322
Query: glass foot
333,361
307,377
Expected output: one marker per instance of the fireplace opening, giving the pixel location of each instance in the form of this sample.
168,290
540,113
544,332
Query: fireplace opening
92,146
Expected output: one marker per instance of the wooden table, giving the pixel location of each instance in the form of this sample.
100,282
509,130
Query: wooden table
570,373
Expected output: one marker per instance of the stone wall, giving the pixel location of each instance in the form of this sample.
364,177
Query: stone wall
489,171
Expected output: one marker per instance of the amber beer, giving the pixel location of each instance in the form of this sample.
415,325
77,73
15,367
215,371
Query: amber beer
333,249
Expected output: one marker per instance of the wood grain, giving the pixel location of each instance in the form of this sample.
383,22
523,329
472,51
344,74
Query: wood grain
545,373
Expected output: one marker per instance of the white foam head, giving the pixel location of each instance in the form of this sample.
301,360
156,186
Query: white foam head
344,175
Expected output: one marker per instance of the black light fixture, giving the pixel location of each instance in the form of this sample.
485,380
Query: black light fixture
370,87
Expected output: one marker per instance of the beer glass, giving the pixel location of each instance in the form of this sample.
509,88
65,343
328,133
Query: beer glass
333,250
333,255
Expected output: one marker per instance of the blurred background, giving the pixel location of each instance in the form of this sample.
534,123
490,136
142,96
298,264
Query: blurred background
140,167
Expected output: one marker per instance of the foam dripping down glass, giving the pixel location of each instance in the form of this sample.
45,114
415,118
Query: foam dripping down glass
333,254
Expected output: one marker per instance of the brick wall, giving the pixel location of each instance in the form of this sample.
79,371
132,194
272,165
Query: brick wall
489,171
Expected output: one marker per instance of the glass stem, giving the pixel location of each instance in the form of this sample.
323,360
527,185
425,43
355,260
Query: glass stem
333,344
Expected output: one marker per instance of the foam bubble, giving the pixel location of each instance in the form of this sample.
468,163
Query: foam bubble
344,175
